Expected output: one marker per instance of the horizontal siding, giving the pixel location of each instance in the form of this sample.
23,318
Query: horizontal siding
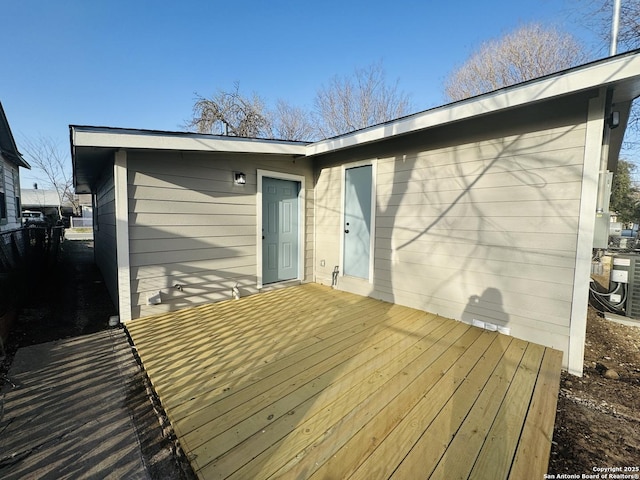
161,232
525,224
521,326
197,267
169,207
513,208
502,239
212,219
189,243
328,222
190,225
105,233
499,172
11,190
514,152
413,195
485,230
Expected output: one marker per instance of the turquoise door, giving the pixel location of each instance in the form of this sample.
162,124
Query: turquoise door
280,232
357,221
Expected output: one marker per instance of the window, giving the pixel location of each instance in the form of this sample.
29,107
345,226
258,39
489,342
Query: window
16,190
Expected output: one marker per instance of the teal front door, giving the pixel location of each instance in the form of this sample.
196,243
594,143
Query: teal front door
357,221
280,230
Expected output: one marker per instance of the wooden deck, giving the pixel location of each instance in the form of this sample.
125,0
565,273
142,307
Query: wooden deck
309,382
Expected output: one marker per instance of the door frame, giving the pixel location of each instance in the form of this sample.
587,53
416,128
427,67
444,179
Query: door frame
344,168
301,217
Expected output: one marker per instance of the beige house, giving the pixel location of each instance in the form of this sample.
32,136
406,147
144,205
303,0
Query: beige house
482,210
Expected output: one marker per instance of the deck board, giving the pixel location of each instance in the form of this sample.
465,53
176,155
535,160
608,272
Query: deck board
309,382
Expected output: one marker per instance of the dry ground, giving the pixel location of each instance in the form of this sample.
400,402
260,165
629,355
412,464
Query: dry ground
598,418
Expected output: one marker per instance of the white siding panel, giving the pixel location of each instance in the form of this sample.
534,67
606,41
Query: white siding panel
212,219
514,152
169,207
10,192
198,267
190,225
104,234
328,222
185,231
190,243
426,180
532,224
483,230
417,194
513,208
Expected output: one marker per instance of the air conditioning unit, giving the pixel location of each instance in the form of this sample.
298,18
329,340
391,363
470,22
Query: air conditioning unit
626,271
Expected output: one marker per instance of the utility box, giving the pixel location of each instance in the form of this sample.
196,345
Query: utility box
626,270
615,229
601,234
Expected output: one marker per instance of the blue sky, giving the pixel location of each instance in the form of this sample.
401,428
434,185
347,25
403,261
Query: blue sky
139,63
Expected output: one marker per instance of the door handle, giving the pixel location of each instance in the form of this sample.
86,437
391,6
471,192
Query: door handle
346,231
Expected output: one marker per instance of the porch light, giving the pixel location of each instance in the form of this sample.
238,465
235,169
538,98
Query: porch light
239,178
614,120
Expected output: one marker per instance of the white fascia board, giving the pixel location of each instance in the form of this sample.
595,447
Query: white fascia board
131,139
588,77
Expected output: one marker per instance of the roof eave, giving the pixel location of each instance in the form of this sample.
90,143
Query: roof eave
10,152
104,137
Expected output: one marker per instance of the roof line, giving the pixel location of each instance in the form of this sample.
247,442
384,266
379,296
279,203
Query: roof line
13,153
472,106
145,131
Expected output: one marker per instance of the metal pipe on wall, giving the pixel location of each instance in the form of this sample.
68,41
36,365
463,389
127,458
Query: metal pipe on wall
615,25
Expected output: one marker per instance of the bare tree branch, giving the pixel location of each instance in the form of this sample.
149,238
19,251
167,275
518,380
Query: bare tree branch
529,52
598,16
292,123
230,113
52,166
346,104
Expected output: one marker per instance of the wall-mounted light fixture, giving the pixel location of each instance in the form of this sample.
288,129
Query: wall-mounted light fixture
614,119
239,178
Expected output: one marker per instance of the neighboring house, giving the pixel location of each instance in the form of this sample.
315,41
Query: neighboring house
10,162
45,201
481,210
85,207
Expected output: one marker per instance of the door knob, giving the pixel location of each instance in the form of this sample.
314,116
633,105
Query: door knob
346,231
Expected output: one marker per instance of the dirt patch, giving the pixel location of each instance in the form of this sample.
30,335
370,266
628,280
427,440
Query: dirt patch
598,418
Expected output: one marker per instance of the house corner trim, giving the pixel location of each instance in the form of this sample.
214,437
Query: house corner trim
586,230
122,234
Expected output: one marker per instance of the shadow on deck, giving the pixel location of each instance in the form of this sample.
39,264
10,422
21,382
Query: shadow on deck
309,382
